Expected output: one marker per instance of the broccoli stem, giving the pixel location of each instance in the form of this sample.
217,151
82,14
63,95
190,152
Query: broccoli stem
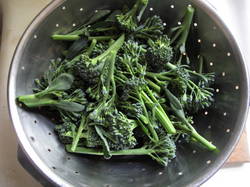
79,133
115,47
158,75
103,29
148,123
65,37
161,115
89,151
201,64
91,47
203,141
102,38
189,129
151,95
73,37
133,11
154,86
146,131
183,31
33,101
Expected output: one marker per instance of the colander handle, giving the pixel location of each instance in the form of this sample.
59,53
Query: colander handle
31,169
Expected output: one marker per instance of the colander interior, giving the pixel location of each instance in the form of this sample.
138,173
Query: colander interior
222,123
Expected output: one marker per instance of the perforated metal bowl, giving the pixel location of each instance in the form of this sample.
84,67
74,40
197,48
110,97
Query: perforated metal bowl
222,123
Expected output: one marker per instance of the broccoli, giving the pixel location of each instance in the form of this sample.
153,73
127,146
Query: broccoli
85,30
128,21
180,35
159,51
55,96
138,93
122,87
163,151
152,28
119,124
192,88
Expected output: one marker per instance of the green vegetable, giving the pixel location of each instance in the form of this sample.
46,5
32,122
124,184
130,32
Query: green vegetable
128,21
55,95
124,87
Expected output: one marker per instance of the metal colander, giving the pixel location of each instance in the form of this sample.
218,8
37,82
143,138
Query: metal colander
222,123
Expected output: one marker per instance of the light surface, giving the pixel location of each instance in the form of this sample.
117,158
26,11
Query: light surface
18,14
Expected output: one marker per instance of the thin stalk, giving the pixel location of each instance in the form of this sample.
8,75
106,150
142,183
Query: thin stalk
78,135
102,38
65,37
89,151
115,47
33,101
201,64
190,130
91,47
73,37
103,29
188,18
154,86
151,129
162,116
145,130
157,75
149,92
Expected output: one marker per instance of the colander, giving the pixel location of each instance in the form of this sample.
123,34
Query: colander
222,123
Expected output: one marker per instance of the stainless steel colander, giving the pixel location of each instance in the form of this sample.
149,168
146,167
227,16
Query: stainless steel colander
222,123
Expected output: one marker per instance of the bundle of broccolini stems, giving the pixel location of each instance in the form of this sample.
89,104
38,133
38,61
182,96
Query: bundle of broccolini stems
125,87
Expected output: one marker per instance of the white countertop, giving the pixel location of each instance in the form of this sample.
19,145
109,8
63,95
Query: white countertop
18,14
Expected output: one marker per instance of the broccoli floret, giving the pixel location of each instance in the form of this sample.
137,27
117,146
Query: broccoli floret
99,49
65,132
152,28
159,53
119,126
134,50
128,21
